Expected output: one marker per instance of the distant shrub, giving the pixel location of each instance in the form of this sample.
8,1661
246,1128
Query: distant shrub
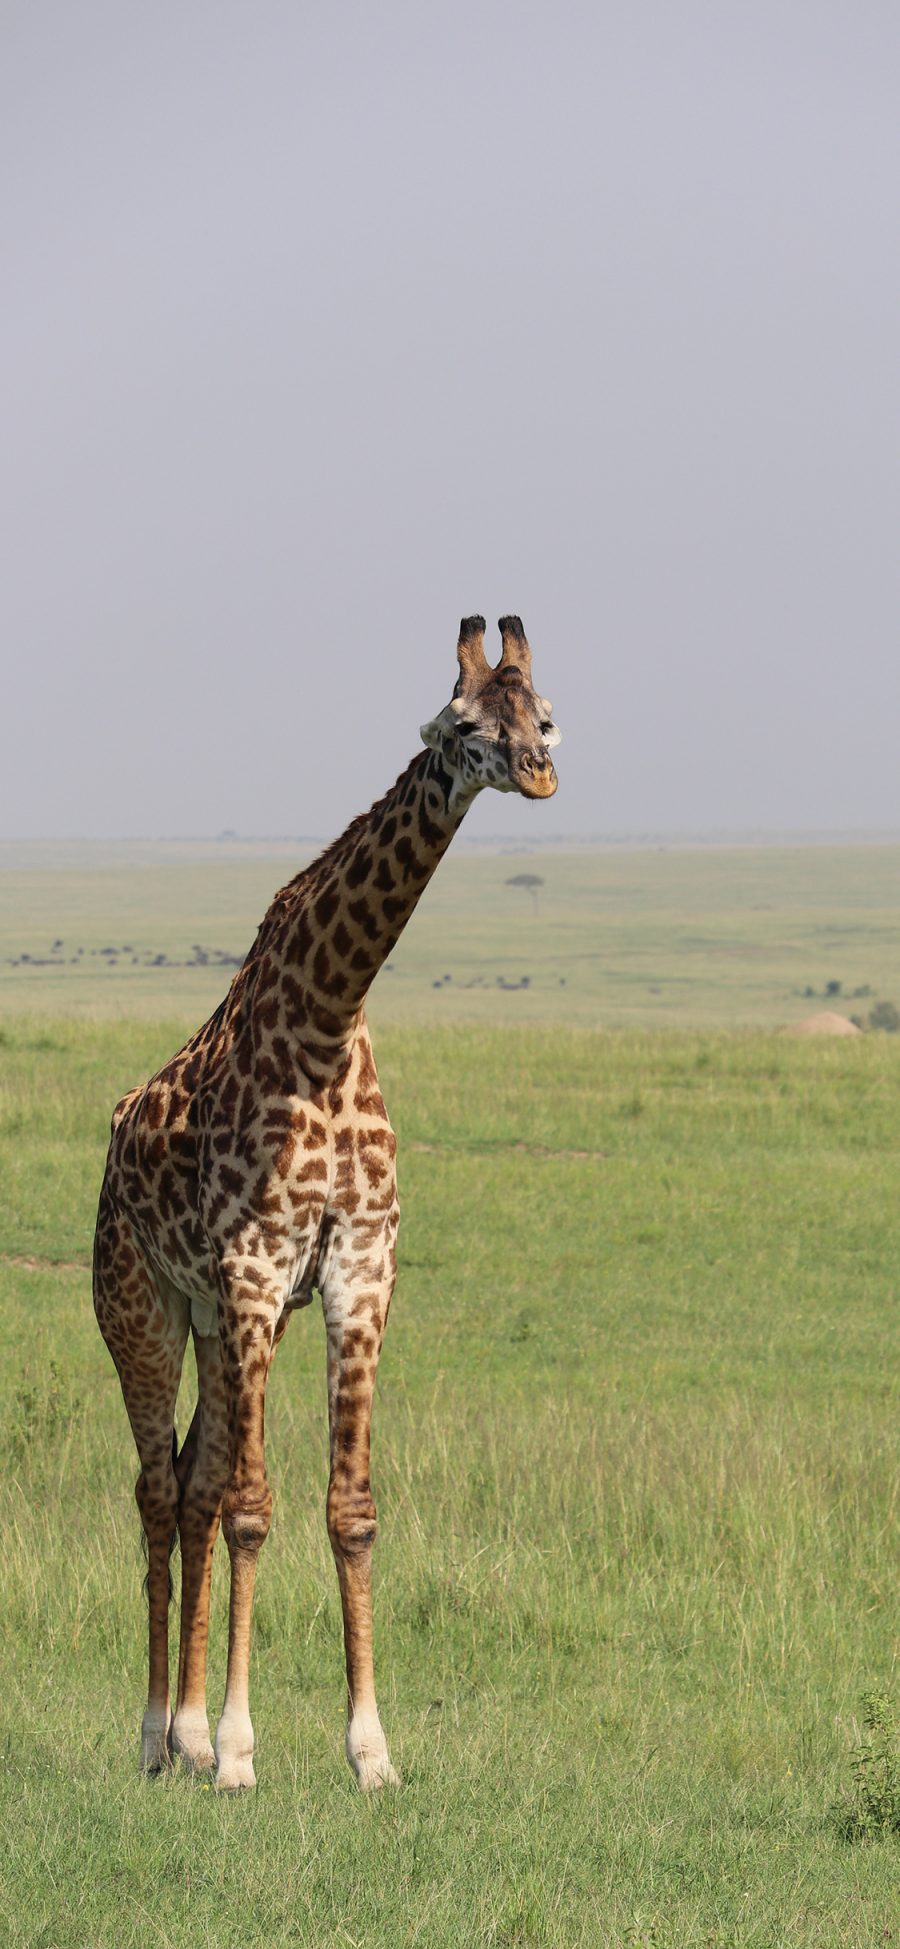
833,988
885,1016
871,1808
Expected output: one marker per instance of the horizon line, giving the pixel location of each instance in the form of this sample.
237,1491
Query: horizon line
647,835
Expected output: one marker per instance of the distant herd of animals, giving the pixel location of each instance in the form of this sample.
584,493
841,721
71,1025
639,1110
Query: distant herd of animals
217,957
200,957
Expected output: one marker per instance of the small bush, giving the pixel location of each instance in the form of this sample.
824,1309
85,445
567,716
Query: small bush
871,1809
885,1016
45,1413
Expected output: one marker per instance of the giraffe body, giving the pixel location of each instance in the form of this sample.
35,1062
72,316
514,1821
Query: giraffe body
258,1167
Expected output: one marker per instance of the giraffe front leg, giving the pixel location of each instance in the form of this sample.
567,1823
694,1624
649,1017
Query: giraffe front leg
246,1333
355,1322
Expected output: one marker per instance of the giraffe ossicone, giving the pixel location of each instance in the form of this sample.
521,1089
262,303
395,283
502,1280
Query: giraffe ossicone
258,1167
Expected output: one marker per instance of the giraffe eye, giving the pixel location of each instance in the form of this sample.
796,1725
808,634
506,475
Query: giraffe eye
466,728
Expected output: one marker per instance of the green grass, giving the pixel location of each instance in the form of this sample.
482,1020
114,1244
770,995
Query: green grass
654,938
636,1463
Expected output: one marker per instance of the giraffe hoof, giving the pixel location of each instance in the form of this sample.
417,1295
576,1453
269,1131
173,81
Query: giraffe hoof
234,1754
155,1754
191,1742
235,1776
369,1759
372,1776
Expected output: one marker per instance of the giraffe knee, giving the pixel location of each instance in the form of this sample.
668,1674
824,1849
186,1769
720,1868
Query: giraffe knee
246,1516
352,1523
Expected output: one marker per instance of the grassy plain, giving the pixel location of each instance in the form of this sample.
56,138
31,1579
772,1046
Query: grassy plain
727,936
636,1428
637,1469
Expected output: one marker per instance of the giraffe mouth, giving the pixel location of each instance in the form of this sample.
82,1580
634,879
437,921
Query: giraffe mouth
534,774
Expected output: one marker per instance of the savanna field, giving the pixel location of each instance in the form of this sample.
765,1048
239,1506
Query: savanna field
635,1442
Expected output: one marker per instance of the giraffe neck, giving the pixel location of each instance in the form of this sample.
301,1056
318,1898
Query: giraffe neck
337,922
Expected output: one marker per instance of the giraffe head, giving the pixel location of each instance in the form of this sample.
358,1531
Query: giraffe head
496,730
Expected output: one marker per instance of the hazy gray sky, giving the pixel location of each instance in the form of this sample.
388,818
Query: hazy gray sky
324,325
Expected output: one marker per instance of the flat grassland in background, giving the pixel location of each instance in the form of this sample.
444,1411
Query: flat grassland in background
635,1443
730,936
636,1460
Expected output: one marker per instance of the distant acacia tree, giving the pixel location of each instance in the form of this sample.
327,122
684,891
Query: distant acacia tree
531,882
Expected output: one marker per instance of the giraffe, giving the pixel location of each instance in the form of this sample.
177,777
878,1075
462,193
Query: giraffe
258,1165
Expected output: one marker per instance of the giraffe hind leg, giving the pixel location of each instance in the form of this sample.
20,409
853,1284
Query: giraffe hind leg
146,1333
202,1472
173,1539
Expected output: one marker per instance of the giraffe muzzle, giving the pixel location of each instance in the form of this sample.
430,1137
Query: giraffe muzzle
534,774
